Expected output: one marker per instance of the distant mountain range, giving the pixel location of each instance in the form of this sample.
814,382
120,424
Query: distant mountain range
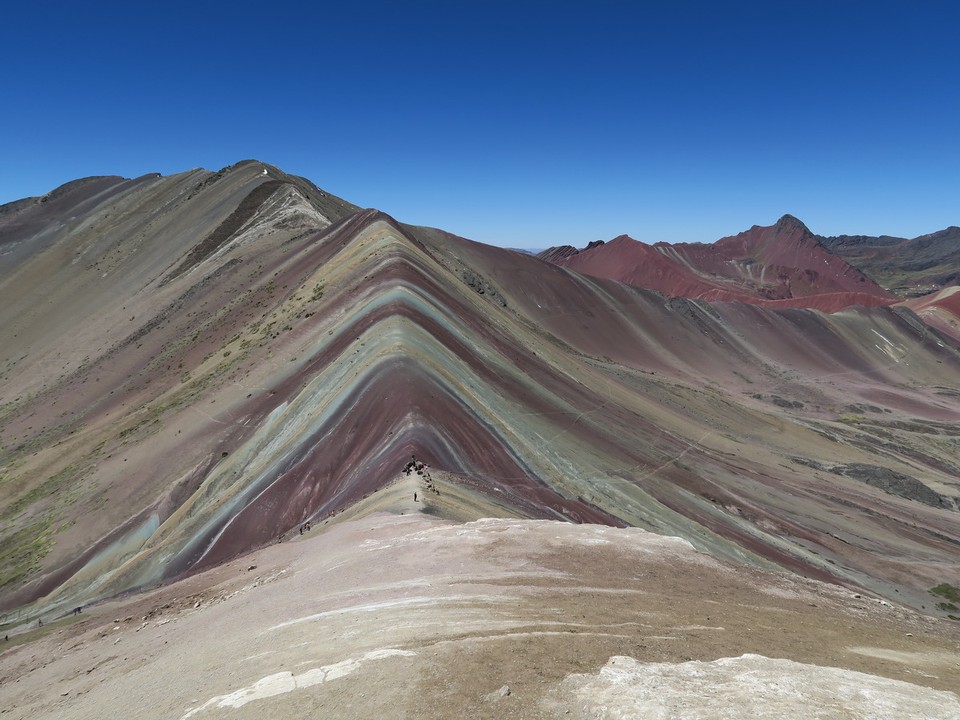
195,366
909,268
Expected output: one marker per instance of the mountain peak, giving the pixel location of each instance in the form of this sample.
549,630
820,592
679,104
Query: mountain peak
790,222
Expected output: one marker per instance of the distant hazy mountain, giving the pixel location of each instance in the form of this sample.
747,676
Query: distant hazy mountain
908,268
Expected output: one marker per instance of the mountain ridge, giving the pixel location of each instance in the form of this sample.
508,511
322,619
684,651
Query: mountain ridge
289,374
911,267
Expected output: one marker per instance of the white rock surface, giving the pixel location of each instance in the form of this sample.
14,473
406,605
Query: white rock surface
749,686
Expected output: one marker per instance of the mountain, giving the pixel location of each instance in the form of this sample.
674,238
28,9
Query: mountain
909,268
195,366
260,446
782,265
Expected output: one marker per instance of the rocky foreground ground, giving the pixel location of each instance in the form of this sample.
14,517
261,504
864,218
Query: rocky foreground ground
403,614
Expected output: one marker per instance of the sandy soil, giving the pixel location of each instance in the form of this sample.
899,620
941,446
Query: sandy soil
392,615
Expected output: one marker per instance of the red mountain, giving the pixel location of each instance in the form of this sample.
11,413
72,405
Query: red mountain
781,265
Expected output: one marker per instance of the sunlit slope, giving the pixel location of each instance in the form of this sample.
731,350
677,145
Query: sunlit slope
788,422
262,355
87,266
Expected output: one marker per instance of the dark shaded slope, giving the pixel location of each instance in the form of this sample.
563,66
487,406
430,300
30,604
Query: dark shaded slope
909,268
225,230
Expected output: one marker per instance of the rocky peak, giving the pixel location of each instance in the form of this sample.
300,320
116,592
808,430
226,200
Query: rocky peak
789,222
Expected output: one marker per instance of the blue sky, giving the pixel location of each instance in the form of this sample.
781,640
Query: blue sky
524,124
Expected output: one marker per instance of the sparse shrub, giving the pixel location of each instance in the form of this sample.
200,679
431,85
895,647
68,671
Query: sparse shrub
947,591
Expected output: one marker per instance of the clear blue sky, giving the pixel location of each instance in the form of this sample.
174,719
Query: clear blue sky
524,124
